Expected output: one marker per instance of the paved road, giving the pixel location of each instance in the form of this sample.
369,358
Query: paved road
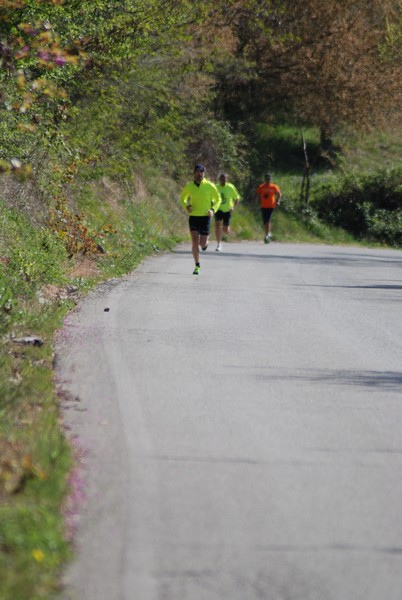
242,429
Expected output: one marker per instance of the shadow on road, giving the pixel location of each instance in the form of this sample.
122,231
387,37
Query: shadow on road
338,258
385,380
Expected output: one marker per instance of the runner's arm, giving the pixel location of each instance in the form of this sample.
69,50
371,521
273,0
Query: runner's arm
185,199
215,199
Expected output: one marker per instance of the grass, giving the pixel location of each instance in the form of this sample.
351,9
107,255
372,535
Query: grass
35,459
375,151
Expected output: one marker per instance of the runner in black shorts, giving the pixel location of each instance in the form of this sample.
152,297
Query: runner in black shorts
269,196
230,199
223,216
200,199
200,224
266,215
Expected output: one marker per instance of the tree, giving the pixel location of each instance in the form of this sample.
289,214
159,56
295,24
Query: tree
320,64
37,63
134,53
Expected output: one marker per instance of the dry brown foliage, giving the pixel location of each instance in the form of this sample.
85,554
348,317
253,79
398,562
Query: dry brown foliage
325,64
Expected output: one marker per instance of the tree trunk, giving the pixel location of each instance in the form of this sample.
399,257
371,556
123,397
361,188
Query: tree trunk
326,142
305,186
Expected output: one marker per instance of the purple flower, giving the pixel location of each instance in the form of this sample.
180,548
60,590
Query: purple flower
60,61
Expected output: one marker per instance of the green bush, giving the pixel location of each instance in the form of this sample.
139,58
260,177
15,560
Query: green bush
30,256
368,206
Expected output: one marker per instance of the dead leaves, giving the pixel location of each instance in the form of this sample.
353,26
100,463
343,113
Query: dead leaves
16,467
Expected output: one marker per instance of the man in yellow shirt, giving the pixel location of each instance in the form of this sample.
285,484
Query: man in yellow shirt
201,200
230,198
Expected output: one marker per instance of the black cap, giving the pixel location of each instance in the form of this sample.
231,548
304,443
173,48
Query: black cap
199,167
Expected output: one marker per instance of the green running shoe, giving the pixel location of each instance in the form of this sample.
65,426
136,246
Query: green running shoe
197,271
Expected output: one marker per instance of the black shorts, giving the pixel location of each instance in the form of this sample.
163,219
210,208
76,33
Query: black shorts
266,214
200,224
223,216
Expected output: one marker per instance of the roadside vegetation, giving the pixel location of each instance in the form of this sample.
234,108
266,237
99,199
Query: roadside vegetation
105,107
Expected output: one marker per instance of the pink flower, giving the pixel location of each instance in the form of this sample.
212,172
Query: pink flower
60,61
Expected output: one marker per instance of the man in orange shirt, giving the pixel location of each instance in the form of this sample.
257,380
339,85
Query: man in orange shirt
269,196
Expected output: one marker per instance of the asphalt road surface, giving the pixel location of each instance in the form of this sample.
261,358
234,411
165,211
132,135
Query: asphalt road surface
240,430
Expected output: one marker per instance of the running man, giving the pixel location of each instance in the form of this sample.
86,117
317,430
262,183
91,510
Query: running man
201,200
269,196
230,198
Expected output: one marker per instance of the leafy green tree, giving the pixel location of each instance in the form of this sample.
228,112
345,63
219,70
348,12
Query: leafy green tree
61,57
37,62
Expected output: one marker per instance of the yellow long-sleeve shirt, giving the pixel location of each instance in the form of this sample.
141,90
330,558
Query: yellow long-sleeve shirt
229,195
202,197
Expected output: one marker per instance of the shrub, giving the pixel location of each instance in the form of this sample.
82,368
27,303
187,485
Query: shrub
368,206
